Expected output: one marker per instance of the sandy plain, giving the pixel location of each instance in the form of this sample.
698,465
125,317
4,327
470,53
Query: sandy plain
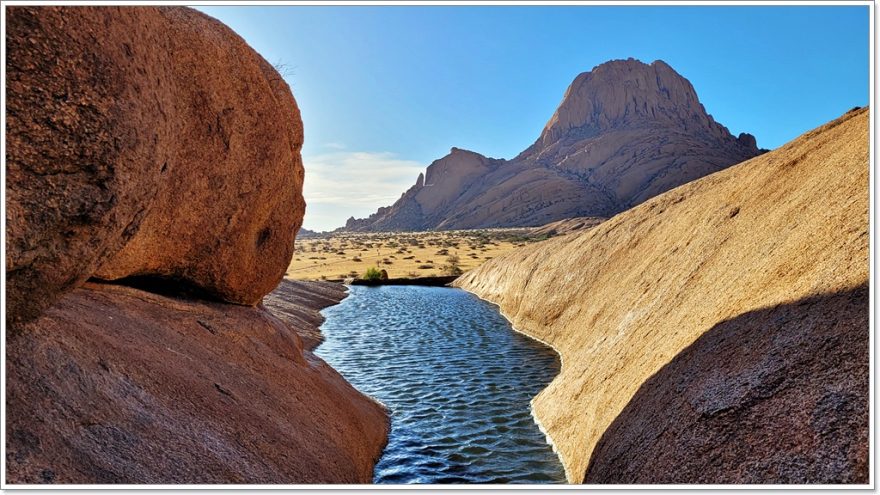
335,256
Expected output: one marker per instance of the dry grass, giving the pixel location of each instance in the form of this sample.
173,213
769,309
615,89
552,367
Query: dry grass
401,254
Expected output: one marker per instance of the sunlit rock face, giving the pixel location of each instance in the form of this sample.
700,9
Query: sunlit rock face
717,333
624,132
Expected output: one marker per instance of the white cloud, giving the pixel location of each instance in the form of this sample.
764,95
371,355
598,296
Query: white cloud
353,183
334,145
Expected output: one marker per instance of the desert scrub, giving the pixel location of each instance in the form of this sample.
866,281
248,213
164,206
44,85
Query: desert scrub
452,266
372,273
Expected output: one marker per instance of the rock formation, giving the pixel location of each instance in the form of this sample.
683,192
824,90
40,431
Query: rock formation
719,402
566,226
143,91
153,149
624,132
302,316
118,385
715,333
73,115
306,233
234,154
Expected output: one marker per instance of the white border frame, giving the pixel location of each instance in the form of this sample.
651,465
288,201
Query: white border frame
462,3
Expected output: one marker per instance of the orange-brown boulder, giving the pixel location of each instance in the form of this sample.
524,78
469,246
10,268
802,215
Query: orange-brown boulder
88,131
117,385
228,211
135,135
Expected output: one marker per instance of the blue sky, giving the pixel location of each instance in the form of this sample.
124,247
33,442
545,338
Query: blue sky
384,90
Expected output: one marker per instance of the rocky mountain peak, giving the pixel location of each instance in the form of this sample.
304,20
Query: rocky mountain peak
458,161
627,93
624,132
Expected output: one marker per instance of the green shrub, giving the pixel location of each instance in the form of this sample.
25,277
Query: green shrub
372,273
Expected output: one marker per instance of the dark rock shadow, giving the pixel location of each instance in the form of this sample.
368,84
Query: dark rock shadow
174,287
775,395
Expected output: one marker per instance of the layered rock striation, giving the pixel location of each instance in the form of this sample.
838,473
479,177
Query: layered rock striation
302,316
624,132
153,151
717,333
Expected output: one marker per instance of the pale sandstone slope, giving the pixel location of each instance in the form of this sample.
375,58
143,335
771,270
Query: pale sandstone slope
567,226
623,299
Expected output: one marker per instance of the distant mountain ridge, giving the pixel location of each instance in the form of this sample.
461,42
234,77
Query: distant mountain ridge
624,132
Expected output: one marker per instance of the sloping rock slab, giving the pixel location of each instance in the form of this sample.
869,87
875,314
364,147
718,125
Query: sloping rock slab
620,301
298,304
117,385
773,395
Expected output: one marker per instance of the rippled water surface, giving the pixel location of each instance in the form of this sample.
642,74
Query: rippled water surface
457,379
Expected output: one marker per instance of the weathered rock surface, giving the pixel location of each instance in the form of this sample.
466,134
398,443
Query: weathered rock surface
741,294
775,394
86,140
134,137
239,145
310,297
153,145
624,132
567,226
117,385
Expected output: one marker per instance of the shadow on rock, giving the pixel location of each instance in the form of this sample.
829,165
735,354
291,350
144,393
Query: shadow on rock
776,395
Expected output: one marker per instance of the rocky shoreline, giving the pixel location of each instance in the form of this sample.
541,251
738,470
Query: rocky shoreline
298,302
